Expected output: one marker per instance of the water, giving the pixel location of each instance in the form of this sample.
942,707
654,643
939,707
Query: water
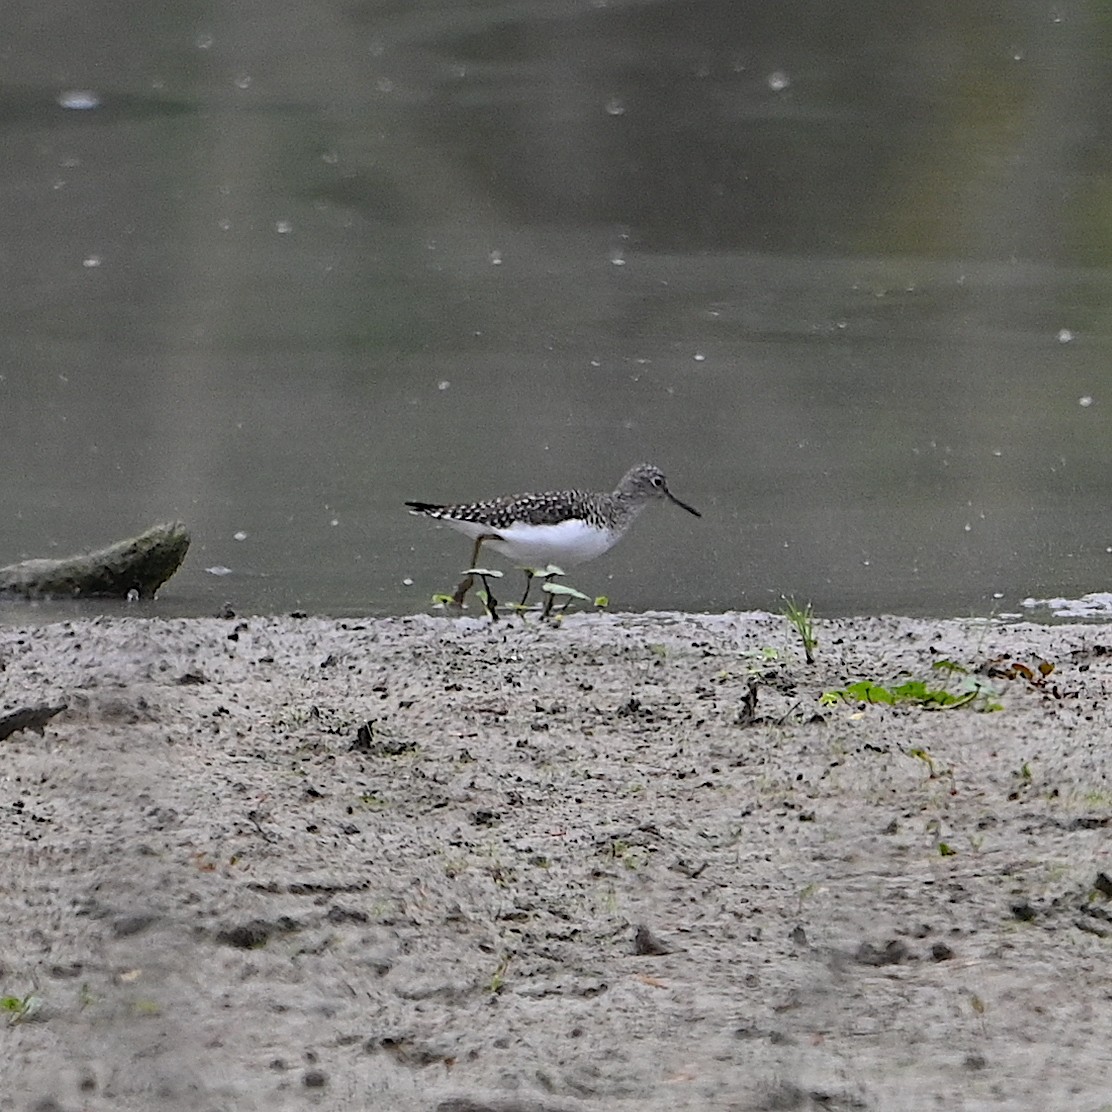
841,270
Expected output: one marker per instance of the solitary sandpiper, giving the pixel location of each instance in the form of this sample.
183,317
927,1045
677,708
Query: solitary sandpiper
561,527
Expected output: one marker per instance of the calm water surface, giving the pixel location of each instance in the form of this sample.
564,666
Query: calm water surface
841,269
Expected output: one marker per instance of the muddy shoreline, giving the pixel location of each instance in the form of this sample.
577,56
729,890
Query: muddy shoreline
421,864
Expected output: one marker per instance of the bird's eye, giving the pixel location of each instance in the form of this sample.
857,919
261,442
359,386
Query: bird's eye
658,480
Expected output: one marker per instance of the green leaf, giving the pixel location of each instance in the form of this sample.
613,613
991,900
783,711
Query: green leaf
493,573
549,572
601,601
564,591
950,666
911,691
865,691
921,754
916,691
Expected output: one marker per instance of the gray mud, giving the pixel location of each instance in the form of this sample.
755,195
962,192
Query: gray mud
560,869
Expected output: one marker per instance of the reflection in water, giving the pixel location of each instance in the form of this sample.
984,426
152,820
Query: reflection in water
841,270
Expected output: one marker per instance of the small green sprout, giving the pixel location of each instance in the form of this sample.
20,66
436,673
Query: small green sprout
550,571
486,595
498,977
950,666
802,619
921,754
553,590
19,1008
804,894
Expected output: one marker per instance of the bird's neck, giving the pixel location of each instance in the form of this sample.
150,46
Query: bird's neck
628,508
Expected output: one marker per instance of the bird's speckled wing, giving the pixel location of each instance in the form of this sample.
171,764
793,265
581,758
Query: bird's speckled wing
549,508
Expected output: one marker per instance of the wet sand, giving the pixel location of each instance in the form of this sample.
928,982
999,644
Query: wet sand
418,864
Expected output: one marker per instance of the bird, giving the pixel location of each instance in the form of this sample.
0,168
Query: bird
561,527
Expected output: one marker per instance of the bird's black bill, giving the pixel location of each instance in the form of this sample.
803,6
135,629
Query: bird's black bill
683,505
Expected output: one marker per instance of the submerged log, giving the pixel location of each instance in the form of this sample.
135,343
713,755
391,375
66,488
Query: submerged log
141,564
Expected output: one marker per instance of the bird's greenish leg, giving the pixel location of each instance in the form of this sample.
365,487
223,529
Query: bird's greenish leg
468,581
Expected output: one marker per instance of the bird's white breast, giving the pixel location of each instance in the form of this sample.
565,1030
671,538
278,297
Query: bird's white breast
566,544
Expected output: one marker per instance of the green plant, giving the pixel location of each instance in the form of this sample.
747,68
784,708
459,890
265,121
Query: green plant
552,590
569,595
486,595
608,900
550,571
914,693
632,856
951,666
373,802
758,660
19,1008
979,1008
498,977
804,894
802,620
561,590
921,754
934,826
